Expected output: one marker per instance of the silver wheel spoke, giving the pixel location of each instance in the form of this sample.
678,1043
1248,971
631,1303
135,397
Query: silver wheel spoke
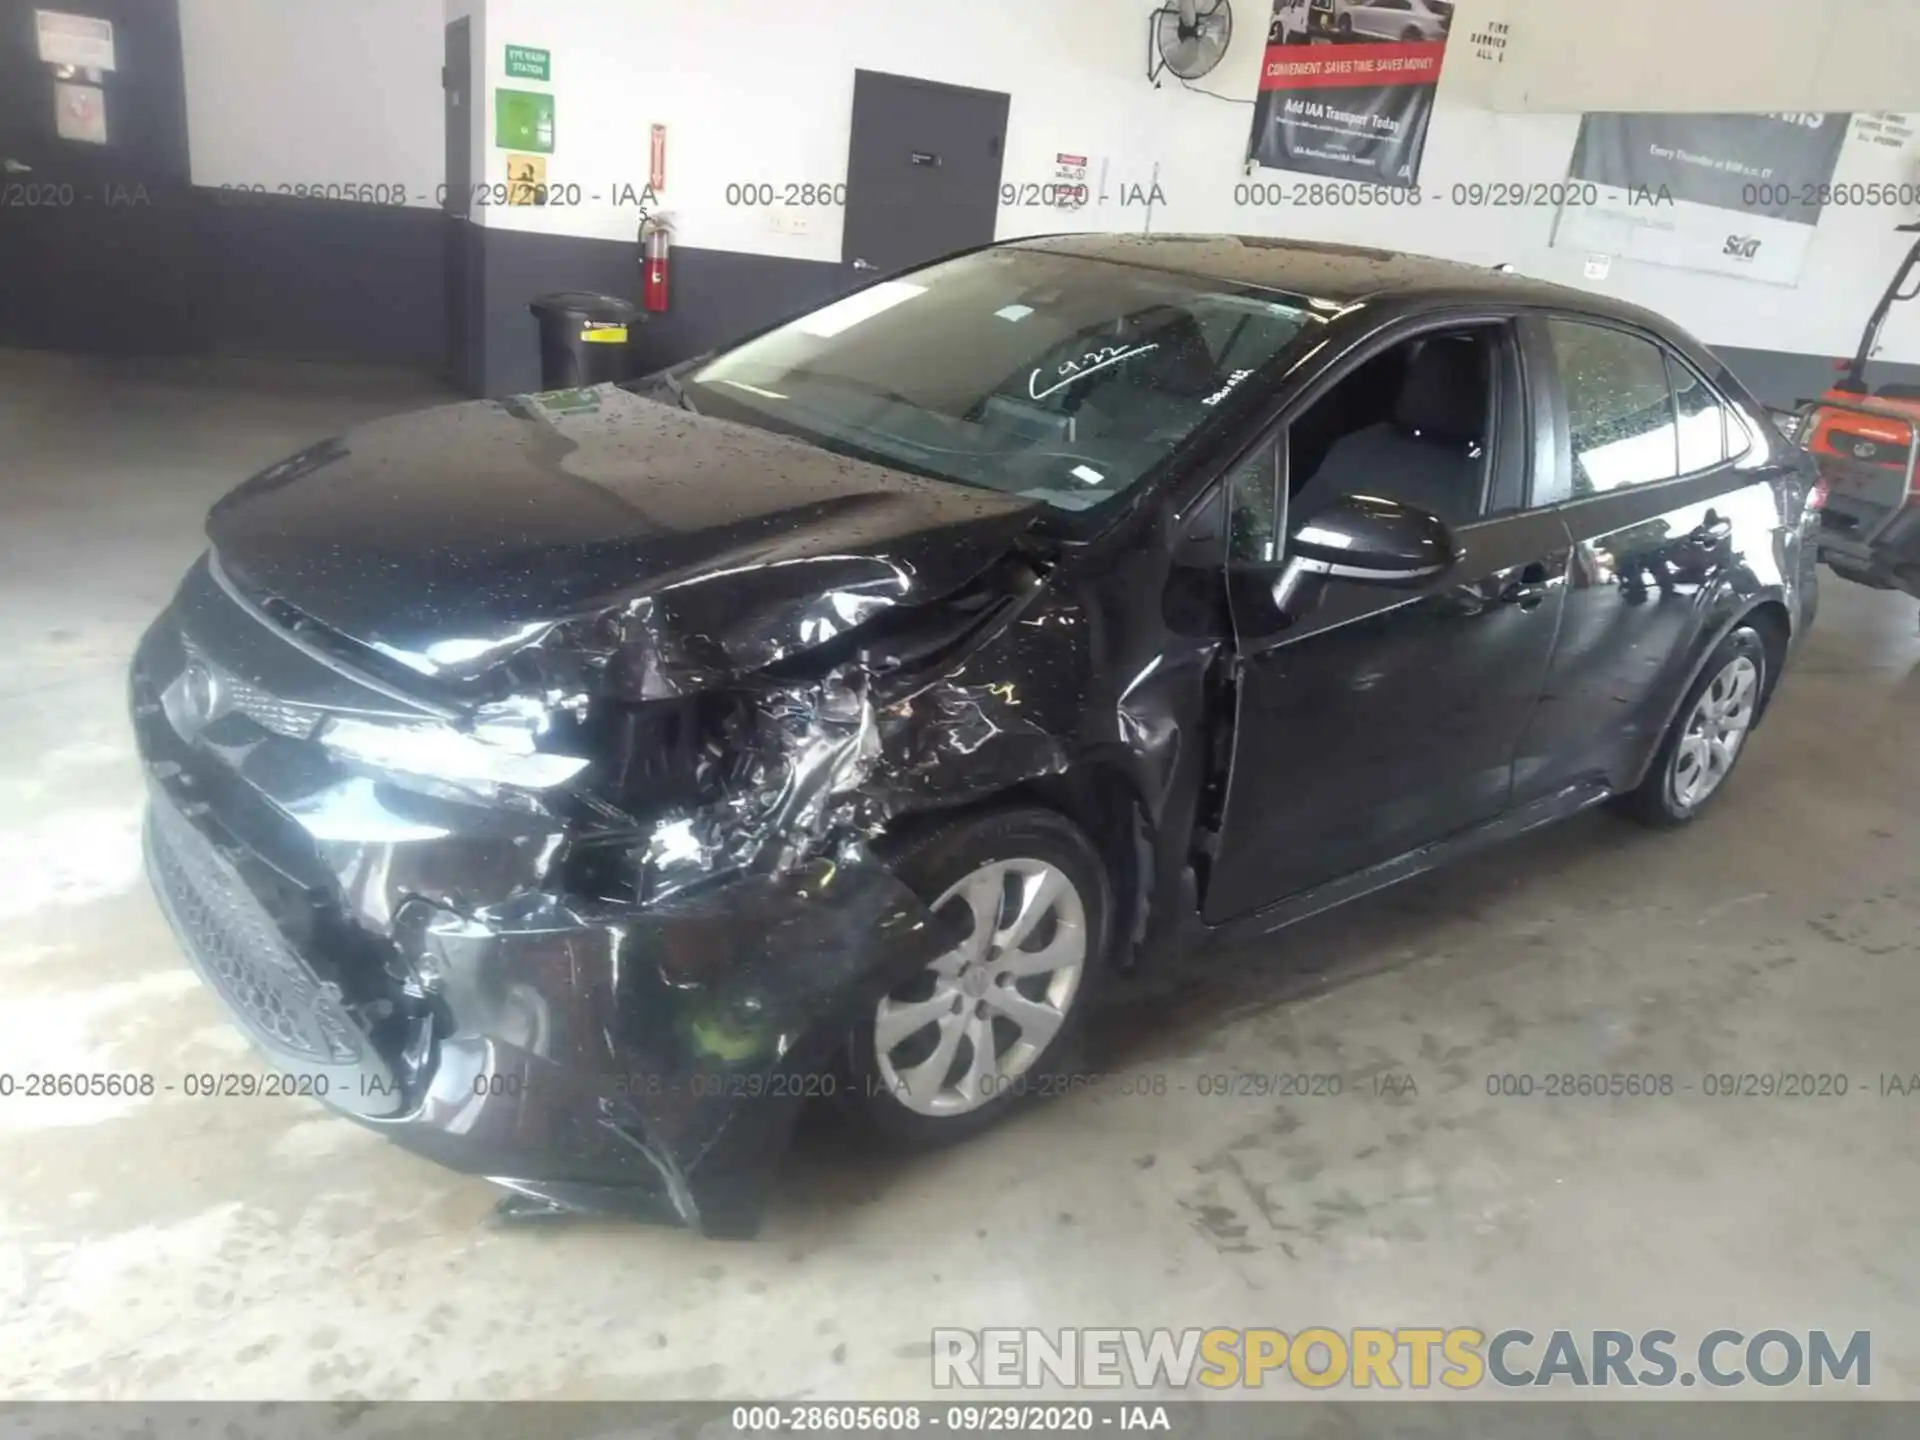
1741,688
1038,894
985,894
1037,1021
976,1085
924,1081
1067,947
896,1021
1722,750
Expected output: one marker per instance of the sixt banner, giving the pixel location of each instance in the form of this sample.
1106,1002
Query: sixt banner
1734,194
1346,89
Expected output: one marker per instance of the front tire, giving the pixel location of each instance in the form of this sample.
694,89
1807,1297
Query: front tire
1708,734
995,1022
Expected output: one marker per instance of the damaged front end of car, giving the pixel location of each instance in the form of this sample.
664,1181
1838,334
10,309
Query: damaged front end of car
589,909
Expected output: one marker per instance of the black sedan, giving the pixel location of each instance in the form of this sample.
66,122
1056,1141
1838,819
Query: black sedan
573,786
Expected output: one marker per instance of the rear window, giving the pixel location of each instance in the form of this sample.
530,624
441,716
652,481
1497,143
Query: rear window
1619,407
1703,426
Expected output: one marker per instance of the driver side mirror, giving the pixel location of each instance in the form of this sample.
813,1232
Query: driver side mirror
1367,541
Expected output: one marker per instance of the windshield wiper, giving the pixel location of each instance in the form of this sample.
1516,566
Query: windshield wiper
679,394
858,387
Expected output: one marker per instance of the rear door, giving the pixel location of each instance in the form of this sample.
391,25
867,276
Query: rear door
1666,494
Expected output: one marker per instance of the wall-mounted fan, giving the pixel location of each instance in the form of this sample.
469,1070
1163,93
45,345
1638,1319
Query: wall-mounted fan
1188,37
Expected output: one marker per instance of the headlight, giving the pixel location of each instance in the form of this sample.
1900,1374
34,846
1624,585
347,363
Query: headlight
441,756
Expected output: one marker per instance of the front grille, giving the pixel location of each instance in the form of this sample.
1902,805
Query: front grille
240,951
281,717
233,695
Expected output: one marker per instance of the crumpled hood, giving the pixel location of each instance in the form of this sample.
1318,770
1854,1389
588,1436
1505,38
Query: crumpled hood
449,538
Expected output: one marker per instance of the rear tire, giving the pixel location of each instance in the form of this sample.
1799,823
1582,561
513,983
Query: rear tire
1708,734
991,1025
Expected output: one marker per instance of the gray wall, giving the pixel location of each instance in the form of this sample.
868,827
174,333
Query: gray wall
1784,379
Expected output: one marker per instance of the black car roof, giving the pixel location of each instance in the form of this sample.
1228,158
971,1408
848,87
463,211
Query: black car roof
1337,273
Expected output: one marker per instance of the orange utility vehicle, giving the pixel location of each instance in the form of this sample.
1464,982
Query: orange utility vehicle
1866,443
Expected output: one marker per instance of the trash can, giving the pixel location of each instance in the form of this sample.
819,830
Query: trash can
583,338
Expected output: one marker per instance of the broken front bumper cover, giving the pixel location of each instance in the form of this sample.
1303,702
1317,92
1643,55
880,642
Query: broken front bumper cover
648,1062
408,959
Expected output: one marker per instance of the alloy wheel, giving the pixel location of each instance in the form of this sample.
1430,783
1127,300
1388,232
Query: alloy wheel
1714,732
980,1016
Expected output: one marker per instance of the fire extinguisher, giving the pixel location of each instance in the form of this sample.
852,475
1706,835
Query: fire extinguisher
653,246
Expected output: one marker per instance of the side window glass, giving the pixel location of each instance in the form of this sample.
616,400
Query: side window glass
1703,429
1618,405
1253,517
1410,424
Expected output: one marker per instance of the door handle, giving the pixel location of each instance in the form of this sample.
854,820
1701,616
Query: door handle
865,265
1529,589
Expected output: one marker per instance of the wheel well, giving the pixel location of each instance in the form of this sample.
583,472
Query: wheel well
1769,620
1099,797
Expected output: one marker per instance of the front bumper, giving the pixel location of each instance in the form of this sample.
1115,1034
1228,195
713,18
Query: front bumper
413,961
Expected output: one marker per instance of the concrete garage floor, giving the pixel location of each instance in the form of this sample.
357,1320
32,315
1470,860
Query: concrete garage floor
183,1248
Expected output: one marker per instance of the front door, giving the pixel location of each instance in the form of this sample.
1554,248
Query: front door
1386,720
923,172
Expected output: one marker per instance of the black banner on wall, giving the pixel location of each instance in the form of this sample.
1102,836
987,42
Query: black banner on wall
1347,87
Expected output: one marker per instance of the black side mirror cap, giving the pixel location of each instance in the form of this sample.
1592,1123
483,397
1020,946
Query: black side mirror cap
1366,541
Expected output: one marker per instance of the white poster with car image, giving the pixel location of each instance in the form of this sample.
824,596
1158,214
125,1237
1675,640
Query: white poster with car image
1347,88
1732,194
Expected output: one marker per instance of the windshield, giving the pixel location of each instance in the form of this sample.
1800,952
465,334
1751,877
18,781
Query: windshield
1055,377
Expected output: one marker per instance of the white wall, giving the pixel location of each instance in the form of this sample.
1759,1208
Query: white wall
306,91
755,90
1712,55
315,92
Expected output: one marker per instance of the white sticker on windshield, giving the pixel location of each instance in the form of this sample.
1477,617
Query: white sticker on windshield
1014,312
1227,389
1087,473
1082,366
